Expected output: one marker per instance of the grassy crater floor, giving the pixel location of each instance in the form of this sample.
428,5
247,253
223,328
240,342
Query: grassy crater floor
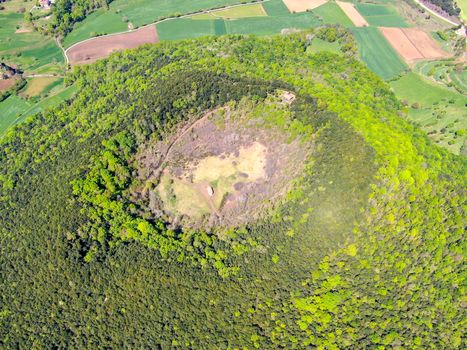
228,167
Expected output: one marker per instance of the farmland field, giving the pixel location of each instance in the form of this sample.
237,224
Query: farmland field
254,10
275,8
11,109
97,23
186,28
381,15
100,47
439,112
136,13
271,25
29,50
376,52
15,109
39,86
333,14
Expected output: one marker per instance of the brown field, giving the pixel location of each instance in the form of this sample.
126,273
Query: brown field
5,84
36,86
303,5
101,47
353,14
413,44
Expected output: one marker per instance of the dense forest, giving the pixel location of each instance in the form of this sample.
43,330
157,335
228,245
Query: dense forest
365,251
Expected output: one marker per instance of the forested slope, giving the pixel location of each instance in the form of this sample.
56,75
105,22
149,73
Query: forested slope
365,252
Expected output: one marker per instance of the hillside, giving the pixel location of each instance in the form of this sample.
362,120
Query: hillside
117,233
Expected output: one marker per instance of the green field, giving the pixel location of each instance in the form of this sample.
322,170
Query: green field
439,112
381,15
253,10
186,28
10,109
99,22
377,53
15,109
137,13
463,6
332,13
275,8
271,25
30,51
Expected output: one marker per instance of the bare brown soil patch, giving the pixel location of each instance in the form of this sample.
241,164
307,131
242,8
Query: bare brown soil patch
351,12
413,44
303,5
5,84
224,169
428,47
101,47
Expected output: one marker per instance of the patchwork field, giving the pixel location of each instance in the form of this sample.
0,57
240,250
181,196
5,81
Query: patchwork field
413,44
183,28
381,15
272,25
98,23
25,48
100,47
439,112
303,5
124,14
377,53
331,13
351,12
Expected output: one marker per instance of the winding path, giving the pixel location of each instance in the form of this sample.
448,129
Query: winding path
436,14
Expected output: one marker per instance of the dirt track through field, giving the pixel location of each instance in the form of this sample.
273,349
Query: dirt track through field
413,44
303,5
91,50
351,12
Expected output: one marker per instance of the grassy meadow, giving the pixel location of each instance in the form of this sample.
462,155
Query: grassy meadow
253,10
438,111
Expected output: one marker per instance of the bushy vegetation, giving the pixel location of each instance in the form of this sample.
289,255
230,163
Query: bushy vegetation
366,251
68,12
448,6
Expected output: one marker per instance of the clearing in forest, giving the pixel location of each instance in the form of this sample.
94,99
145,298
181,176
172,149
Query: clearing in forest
413,44
353,14
303,5
226,168
91,50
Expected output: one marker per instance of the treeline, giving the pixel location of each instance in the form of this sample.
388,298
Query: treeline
448,6
68,12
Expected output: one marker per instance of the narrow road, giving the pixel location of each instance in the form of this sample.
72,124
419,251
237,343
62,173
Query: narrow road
436,14
157,22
